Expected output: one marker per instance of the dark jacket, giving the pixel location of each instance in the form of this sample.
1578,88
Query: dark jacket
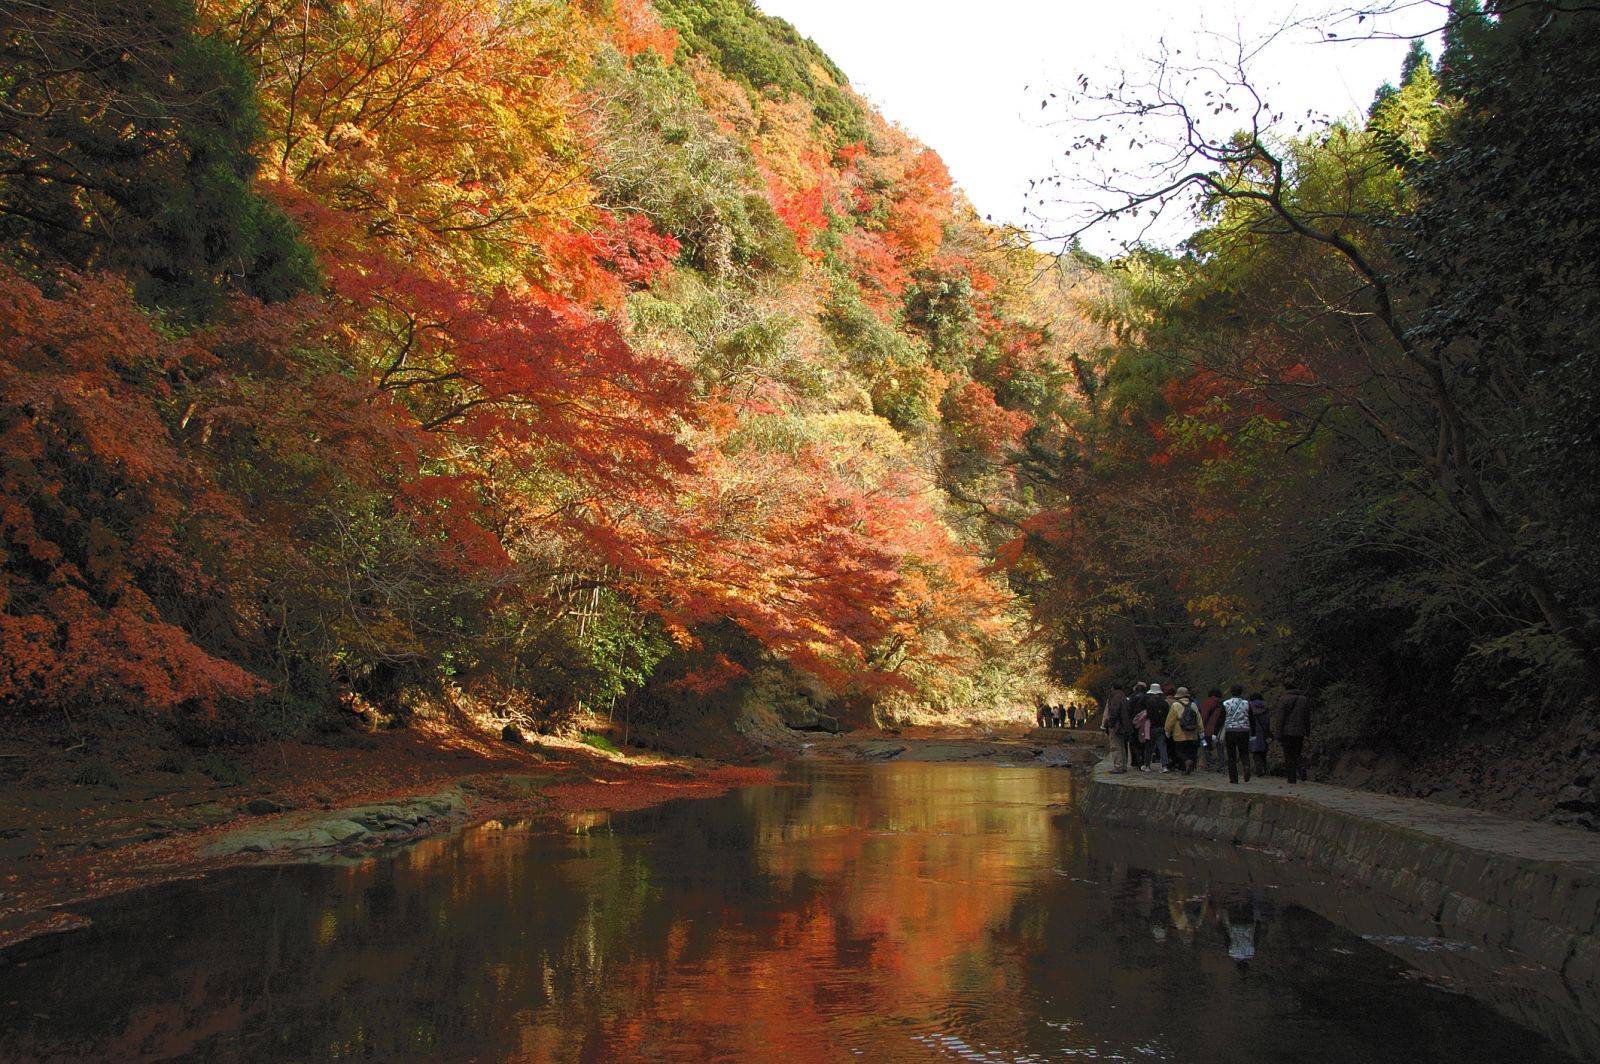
1114,706
1155,708
1260,724
1211,714
1291,717
1119,721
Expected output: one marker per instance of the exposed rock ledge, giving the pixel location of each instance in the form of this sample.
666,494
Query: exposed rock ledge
363,826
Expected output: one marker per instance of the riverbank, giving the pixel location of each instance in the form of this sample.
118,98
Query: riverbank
131,807
1046,747
1526,895
75,830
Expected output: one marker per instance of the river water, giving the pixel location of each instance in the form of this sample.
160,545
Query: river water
915,912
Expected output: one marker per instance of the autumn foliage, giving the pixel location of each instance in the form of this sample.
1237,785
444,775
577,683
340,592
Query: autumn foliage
113,539
563,386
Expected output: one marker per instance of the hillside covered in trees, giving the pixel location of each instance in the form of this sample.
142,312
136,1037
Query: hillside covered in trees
540,354
560,356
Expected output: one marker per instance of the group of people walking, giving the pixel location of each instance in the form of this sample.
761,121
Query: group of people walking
1068,716
1163,728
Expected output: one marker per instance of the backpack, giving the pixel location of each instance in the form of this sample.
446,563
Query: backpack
1189,719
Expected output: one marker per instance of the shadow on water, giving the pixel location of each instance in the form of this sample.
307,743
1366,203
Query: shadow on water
893,912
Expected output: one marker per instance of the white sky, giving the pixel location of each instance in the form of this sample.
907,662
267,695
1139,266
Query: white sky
953,72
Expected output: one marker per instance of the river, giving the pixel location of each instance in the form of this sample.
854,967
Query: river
915,912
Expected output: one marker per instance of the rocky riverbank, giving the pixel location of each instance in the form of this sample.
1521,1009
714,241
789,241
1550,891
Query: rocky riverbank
1046,747
69,834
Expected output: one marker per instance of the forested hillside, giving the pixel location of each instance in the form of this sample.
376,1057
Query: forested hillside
540,354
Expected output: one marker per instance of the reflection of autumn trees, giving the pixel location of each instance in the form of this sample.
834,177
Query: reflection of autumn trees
785,905
886,894
865,910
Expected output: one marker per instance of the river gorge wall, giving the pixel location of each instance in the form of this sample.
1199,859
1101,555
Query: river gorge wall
1504,910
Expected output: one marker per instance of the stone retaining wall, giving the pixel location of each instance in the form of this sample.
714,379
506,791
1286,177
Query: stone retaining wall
1545,910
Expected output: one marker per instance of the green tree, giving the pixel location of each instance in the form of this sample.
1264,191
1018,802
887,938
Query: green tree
125,142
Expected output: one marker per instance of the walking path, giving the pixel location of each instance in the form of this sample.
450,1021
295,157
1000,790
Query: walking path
1517,840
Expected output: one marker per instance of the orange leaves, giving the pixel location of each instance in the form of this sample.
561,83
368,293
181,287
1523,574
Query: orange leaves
804,212
882,273
804,184
710,676
81,653
632,249
635,28
435,156
449,509
528,372
845,579
924,204
1009,554
978,422
99,512
448,127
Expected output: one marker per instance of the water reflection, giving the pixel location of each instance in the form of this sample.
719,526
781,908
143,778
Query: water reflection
899,912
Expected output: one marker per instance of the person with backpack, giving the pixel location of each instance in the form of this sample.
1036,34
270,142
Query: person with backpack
1260,732
1211,729
1118,725
1183,729
1157,705
1139,706
1291,726
1236,733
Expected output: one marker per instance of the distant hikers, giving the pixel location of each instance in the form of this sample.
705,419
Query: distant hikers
1211,729
1291,723
1183,727
1260,732
1055,715
1236,733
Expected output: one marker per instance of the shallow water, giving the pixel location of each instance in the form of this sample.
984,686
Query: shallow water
884,912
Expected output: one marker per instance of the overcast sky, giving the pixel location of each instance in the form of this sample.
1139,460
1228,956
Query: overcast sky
953,72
